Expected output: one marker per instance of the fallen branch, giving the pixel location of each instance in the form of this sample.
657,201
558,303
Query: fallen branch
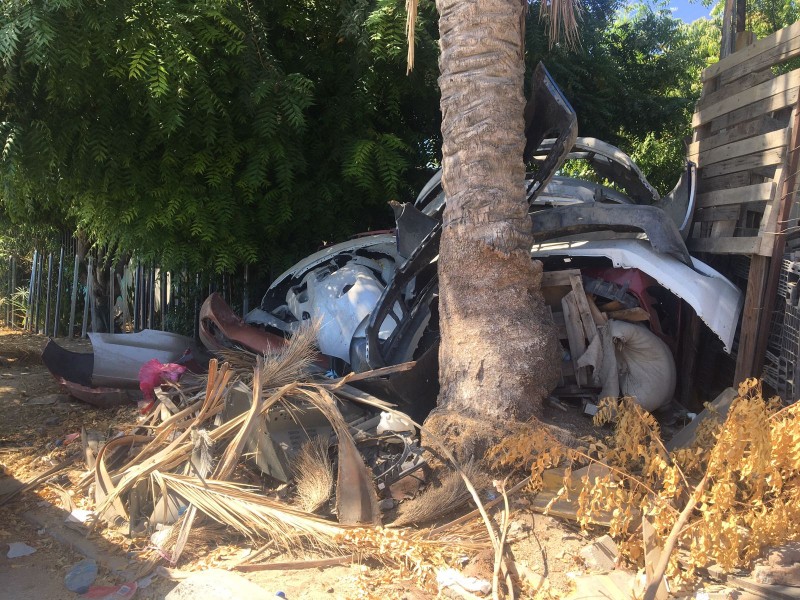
297,565
672,540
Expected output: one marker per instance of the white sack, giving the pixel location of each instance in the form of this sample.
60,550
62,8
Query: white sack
641,365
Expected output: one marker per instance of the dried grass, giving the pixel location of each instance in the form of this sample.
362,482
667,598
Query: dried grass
436,502
313,475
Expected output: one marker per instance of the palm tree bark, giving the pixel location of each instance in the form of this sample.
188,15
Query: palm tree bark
498,357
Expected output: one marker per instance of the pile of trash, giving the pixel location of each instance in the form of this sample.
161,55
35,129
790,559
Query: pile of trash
264,448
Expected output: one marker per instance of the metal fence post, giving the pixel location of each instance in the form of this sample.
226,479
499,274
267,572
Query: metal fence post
89,278
57,311
111,297
38,300
74,300
49,289
31,290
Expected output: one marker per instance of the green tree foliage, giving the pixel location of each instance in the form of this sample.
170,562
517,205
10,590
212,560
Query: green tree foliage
210,133
633,80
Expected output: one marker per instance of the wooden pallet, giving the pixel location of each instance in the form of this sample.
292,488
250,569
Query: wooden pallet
740,142
744,140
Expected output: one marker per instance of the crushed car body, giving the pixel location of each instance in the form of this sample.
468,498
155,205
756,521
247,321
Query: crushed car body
618,245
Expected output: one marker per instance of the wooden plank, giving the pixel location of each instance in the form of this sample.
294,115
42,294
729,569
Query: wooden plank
774,87
769,220
558,321
718,213
587,321
726,245
751,319
554,278
737,180
686,436
746,113
765,158
722,92
784,52
750,53
758,143
723,229
759,192
599,318
758,126
575,335
652,555
726,46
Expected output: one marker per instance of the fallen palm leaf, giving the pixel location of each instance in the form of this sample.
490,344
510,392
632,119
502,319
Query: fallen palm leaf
356,499
251,514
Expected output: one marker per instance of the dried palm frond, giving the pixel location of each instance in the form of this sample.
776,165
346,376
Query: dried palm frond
356,498
202,455
289,364
314,474
203,536
251,514
562,17
411,26
435,502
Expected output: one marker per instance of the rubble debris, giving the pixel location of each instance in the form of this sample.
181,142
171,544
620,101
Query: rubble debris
782,566
600,555
652,556
81,576
778,574
109,375
453,578
123,591
48,399
19,549
217,583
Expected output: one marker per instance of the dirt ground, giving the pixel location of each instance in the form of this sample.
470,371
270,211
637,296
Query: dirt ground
32,440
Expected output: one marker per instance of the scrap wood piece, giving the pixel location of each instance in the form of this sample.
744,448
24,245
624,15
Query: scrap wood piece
632,315
547,501
600,319
686,436
575,335
296,564
587,320
373,373
652,554
760,590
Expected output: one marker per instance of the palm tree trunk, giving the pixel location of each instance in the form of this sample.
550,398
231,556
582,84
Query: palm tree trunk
498,356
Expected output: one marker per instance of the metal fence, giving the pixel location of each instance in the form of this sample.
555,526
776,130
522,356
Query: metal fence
63,293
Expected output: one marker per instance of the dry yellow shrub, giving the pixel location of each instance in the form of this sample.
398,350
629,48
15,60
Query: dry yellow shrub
750,499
